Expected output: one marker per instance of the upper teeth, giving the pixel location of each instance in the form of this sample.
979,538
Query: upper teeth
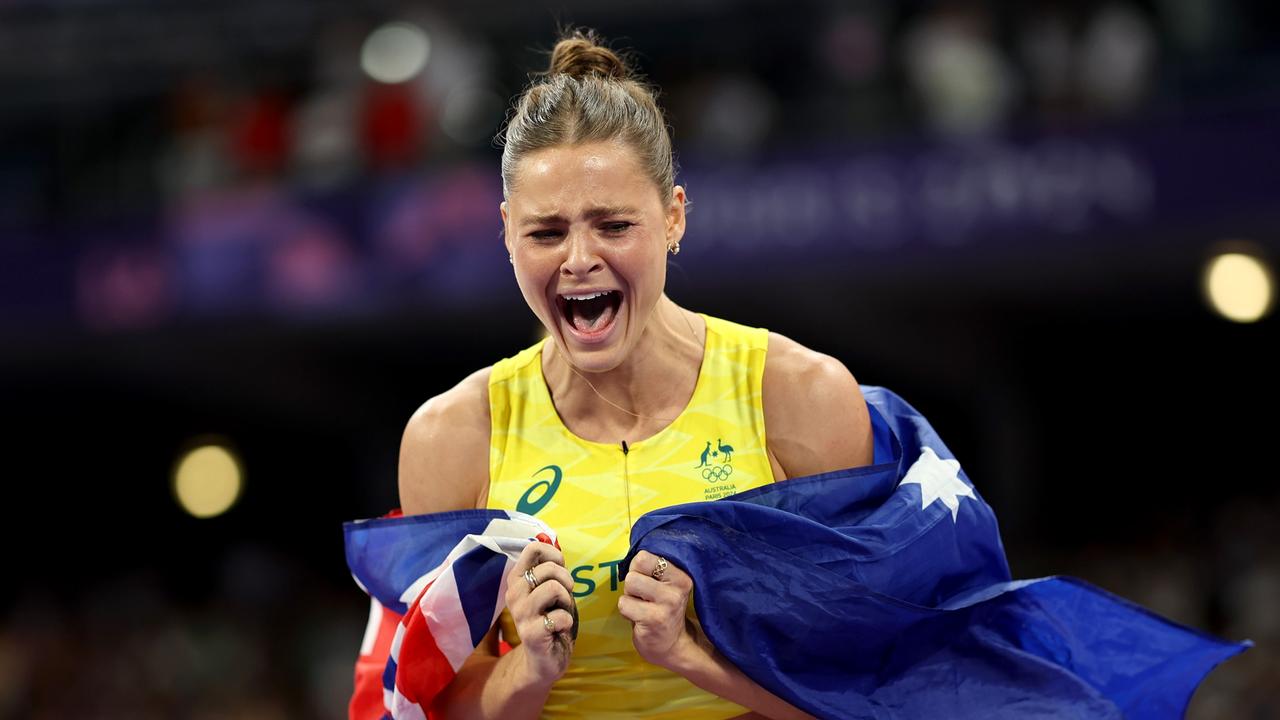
586,297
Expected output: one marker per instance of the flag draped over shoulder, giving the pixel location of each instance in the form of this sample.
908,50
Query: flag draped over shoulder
874,592
883,592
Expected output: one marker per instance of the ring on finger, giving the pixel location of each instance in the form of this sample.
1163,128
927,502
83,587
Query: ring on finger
660,569
530,578
549,624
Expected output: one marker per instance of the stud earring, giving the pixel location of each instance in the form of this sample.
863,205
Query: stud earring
674,248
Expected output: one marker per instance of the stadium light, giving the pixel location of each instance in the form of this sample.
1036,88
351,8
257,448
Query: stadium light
1239,286
207,480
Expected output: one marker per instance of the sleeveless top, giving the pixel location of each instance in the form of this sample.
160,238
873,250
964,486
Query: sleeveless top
591,492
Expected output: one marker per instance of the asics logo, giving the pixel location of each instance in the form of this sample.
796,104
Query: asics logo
548,488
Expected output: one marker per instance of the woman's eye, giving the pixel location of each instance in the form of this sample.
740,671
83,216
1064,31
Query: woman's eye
617,227
545,234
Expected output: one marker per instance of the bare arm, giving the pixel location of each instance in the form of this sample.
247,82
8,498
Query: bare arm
444,465
444,453
815,417
715,674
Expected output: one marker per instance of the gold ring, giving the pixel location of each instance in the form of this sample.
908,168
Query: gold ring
660,569
530,578
549,624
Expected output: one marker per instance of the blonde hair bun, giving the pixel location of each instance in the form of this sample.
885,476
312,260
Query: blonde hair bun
582,54
589,94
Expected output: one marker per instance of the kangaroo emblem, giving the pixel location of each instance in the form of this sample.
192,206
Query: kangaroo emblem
705,452
720,465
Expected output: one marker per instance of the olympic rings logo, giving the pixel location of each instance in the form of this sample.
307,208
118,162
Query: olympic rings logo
717,472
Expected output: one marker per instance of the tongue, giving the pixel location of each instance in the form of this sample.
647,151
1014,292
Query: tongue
591,315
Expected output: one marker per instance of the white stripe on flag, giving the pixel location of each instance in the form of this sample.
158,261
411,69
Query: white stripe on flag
446,621
514,528
371,630
509,546
399,638
411,593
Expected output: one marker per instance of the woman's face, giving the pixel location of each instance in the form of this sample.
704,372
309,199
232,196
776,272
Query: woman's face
588,233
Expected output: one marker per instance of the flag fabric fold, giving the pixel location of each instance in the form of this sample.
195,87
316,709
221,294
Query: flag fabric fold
883,592
444,577
874,592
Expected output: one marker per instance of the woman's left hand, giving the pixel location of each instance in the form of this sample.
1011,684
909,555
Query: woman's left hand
664,636
654,598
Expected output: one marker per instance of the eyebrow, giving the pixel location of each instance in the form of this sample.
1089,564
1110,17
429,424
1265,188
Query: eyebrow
591,214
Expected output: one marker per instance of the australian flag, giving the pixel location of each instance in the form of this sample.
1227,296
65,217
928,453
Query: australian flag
873,592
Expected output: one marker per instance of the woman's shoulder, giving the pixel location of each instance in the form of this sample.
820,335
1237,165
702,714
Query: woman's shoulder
816,419
737,334
444,452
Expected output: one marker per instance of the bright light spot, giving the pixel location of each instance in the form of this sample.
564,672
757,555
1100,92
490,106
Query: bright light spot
1239,287
207,481
395,52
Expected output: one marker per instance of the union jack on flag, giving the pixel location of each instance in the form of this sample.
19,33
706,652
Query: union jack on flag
424,625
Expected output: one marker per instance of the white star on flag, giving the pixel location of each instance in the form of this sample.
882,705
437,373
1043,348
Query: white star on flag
938,480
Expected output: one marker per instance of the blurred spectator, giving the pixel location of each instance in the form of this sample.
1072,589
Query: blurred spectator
852,45
260,133
326,147
728,115
1087,63
198,156
392,127
1048,52
126,649
961,77
1117,58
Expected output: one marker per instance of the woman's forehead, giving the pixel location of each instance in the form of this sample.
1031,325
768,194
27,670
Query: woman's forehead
600,168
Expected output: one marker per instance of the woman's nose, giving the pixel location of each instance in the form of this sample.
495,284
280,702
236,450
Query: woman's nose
582,258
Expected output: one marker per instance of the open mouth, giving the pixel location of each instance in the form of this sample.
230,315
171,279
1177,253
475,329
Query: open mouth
590,313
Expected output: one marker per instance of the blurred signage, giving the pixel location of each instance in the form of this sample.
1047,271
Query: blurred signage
436,238
1045,193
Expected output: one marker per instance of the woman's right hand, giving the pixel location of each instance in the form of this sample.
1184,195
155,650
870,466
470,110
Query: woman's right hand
544,615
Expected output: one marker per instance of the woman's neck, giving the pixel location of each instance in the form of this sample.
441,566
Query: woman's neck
643,394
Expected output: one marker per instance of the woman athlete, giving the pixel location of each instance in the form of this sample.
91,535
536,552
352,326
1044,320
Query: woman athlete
631,403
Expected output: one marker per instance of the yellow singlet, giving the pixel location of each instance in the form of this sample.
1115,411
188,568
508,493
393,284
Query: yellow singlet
591,493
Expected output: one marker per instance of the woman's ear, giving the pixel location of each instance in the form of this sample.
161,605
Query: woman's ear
506,226
676,215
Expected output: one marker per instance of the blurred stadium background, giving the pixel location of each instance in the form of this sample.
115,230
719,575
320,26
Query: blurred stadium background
271,225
